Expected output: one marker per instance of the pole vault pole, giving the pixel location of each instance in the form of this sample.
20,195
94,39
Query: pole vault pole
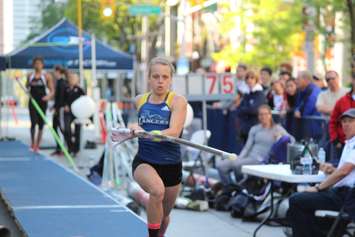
120,135
43,116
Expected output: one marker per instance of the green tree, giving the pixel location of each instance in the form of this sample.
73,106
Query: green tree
51,13
268,32
325,23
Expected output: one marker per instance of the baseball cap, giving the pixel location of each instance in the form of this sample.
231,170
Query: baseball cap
349,113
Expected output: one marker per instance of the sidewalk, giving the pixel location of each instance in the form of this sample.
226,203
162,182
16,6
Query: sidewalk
183,223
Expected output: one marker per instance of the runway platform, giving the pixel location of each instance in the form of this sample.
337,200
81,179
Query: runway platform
46,199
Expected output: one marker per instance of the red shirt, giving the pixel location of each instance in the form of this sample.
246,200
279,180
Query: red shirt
335,129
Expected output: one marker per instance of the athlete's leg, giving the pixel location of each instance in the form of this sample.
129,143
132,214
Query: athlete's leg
170,196
33,124
149,180
56,127
40,123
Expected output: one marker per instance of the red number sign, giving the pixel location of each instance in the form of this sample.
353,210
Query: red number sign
227,84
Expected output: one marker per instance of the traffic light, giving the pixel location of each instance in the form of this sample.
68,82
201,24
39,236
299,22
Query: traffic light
107,8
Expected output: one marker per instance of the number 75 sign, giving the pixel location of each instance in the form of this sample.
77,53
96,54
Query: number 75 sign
210,86
219,83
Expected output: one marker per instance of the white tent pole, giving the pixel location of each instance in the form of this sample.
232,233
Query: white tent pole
80,36
93,60
95,88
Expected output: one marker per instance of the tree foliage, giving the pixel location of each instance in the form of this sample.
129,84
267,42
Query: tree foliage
330,13
267,32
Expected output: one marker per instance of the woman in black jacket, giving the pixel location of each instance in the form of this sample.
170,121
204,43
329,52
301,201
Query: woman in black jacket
247,111
291,96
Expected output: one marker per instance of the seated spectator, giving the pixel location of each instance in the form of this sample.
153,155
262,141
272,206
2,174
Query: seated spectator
327,99
261,138
337,136
329,194
277,98
265,79
306,106
319,81
247,111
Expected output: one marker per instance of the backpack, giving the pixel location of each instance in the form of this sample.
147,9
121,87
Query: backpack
244,206
222,199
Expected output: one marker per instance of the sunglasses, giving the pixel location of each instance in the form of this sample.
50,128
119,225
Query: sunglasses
329,79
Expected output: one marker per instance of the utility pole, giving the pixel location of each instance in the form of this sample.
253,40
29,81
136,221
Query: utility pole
310,13
80,43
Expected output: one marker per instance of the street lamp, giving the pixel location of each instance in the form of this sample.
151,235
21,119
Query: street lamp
107,8
107,12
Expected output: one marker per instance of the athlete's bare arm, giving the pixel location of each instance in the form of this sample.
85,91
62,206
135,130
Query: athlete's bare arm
135,126
178,115
50,85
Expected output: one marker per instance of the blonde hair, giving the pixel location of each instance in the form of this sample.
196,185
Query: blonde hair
162,61
74,78
252,74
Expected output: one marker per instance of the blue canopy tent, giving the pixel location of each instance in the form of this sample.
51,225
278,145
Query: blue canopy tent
59,45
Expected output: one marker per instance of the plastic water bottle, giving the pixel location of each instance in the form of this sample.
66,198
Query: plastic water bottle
321,155
306,162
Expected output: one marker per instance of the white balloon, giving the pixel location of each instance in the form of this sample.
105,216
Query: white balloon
189,116
83,107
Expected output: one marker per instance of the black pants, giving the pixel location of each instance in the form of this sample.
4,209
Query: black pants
303,206
72,138
56,126
34,115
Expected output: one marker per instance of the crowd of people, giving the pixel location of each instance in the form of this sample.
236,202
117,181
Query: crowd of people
63,87
306,105
309,107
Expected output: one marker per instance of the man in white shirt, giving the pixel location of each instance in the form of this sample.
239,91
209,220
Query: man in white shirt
329,194
327,99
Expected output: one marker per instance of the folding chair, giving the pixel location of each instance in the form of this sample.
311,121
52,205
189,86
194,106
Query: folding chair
196,159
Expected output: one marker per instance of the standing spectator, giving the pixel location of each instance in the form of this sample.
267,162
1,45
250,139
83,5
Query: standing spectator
60,86
327,99
241,85
277,99
306,106
319,81
284,76
247,111
72,92
265,79
286,67
336,132
291,97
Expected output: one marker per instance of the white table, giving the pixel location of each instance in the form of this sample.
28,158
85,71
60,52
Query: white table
281,173
278,173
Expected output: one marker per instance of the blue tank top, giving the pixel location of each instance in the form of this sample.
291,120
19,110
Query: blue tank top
156,117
